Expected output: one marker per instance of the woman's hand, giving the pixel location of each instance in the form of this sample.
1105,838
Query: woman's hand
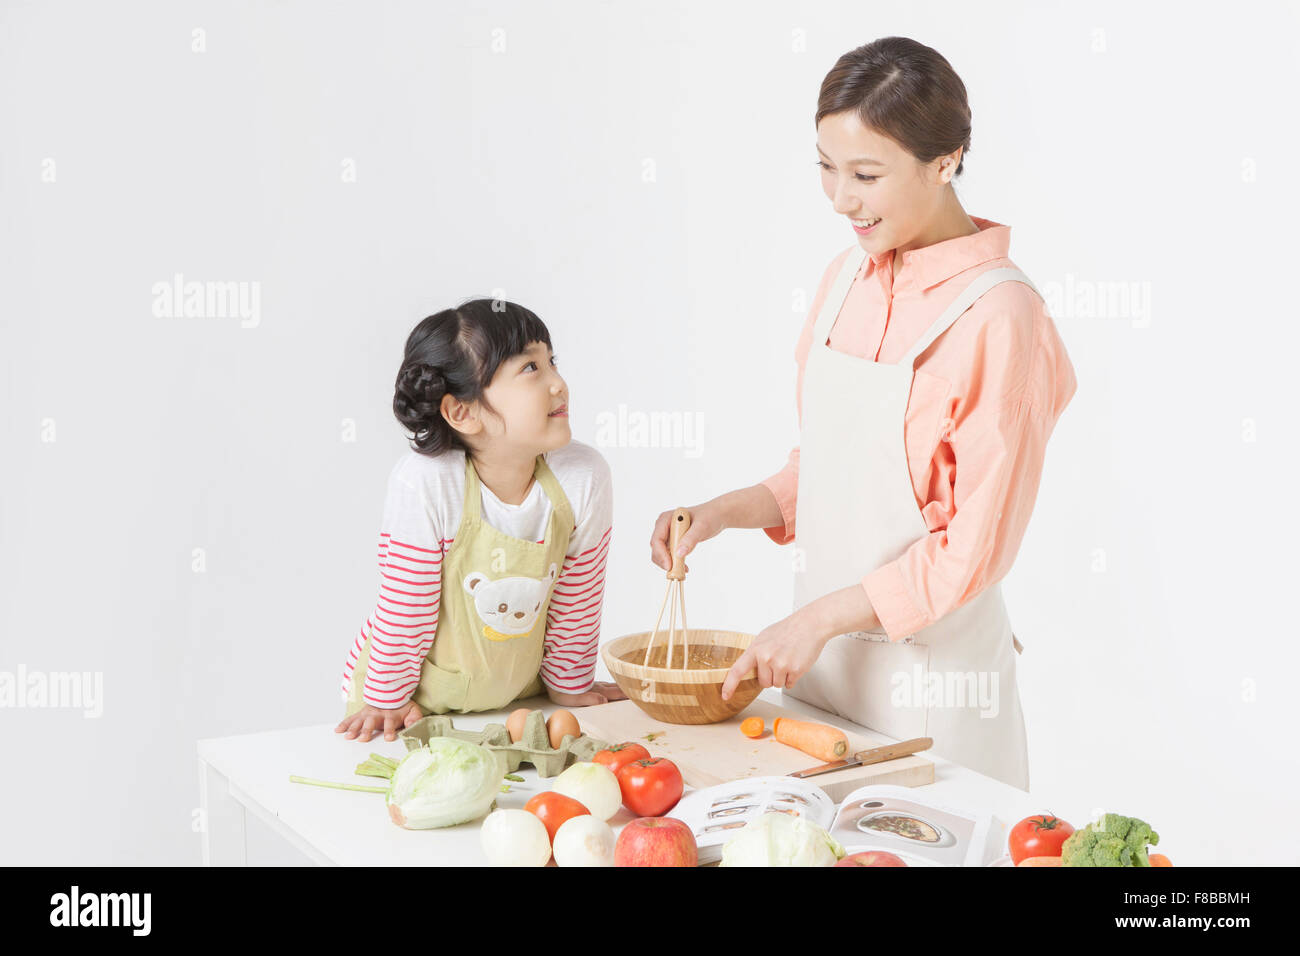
368,720
788,649
752,507
601,692
706,521
781,654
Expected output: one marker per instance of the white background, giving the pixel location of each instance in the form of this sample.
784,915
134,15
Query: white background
642,176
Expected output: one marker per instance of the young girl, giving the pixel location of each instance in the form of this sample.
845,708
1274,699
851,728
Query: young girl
495,533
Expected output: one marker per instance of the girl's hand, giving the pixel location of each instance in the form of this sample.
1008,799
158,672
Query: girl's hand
706,521
781,654
368,720
601,692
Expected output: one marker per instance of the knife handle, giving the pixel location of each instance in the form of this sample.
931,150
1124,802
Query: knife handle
890,751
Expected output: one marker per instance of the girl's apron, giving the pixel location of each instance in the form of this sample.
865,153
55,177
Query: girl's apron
495,591
953,681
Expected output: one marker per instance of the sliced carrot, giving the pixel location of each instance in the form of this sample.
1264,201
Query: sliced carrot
752,726
817,740
1040,861
1158,859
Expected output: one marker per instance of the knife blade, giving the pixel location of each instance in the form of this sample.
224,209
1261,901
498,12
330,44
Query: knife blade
875,755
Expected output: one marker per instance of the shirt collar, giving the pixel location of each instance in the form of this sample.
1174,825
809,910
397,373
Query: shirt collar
934,263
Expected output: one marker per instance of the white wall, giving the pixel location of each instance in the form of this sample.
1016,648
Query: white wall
1149,146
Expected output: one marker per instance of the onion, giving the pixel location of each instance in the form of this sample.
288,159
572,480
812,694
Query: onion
593,785
584,841
515,838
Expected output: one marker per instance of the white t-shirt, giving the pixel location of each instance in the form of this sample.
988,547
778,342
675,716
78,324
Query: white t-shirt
426,497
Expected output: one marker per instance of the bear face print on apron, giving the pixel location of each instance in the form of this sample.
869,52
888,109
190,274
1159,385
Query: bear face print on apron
494,596
953,681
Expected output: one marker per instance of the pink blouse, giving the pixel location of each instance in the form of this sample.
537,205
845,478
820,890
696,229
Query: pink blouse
986,395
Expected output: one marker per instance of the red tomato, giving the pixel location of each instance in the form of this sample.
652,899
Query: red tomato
553,809
618,756
650,787
1037,836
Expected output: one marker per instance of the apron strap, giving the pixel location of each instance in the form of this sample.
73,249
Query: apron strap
560,506
562,511
472,510
837,294
965,299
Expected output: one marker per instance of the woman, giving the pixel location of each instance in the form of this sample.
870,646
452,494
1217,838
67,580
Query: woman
930,378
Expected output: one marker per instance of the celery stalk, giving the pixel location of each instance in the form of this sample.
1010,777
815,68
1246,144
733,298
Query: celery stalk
337,786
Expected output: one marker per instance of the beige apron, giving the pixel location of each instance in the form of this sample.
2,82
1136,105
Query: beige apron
953,681
494,596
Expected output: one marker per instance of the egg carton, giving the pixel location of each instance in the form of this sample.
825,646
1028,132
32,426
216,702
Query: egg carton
533,746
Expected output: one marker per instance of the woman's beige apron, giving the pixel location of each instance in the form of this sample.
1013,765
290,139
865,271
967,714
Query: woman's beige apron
494,595
953,681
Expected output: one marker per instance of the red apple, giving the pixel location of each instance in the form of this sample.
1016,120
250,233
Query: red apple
872,858
656,841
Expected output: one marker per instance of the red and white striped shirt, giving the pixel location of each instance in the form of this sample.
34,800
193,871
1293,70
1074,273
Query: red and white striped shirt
426,497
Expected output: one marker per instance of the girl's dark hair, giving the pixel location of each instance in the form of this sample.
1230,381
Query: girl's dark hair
904,90
457,351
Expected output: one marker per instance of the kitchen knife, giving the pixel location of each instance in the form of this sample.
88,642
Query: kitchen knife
874,755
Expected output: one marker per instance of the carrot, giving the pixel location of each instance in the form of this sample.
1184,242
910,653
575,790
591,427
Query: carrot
1040,861
752,726
1158,859
817,740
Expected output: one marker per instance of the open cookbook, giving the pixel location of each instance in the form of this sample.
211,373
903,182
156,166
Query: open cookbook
880,816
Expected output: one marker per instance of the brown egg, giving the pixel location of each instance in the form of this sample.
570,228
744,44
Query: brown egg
515,723
561,723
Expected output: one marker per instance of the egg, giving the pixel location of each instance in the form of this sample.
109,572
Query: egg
561,723
515,723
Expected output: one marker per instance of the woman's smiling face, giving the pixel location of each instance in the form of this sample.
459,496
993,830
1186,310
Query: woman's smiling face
868,176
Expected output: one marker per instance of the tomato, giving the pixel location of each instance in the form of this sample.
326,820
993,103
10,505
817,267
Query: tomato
1040,835
553,809
618,756
650,787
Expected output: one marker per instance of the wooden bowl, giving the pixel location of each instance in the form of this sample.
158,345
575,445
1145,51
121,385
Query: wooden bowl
678,695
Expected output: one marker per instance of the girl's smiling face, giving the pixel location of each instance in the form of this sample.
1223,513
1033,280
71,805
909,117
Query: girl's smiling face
529,405
868,176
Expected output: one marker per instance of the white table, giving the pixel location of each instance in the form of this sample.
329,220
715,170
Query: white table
250,774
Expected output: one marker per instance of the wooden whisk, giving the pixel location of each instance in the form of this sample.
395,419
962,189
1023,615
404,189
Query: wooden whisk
676,594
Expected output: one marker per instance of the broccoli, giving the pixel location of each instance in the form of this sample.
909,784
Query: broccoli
1116,841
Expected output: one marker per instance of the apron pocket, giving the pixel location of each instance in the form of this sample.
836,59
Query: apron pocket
441,690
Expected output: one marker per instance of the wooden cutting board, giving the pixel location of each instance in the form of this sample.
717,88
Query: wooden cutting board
709,754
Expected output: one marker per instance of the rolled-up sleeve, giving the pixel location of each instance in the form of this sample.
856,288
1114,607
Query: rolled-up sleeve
784,486
998,444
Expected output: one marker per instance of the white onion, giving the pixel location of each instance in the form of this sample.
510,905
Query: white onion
593,785
515,838
584,841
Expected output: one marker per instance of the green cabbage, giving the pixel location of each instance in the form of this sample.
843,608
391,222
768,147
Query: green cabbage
778,839
445,782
